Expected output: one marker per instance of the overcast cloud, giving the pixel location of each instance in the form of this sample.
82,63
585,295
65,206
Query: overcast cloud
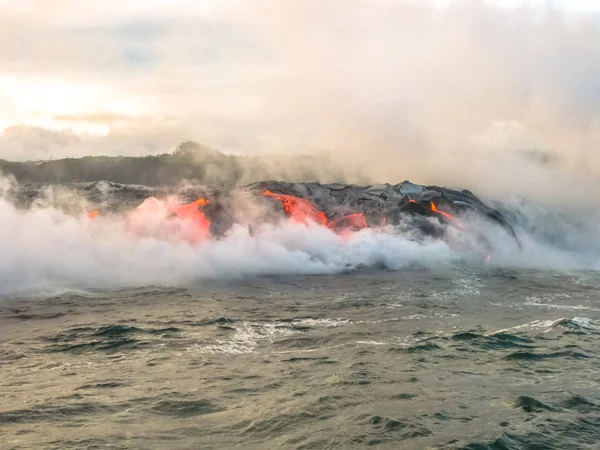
418,84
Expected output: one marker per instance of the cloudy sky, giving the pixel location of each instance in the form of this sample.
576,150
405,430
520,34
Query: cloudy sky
138,76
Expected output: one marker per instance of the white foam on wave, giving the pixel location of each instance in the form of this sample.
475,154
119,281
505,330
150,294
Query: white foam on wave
247,336
571,307
546,301
589,324
533,325
372,343
465,286
548,325
327,323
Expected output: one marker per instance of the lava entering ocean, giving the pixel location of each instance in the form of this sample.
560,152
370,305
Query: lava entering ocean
187,220
193,213
339,208
353,222
300,210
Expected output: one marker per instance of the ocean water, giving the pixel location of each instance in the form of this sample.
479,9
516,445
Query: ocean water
460,357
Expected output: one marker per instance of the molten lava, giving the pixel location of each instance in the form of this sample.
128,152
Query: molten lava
191,211
435,209
165,220
299,209
352,221
445,214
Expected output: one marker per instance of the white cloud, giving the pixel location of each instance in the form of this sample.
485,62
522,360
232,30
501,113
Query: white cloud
263,75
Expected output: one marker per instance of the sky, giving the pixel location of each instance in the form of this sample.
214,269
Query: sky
585,6
82,77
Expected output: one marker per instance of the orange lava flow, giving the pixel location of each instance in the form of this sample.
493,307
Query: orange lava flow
93,214
351,221
445,214
299,209
191,211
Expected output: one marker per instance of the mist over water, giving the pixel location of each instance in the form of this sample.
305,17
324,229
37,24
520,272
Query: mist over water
54,246
50,249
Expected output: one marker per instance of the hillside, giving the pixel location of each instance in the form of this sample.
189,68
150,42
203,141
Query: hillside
190,161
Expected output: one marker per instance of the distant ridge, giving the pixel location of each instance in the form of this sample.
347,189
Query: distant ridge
189,161
202,165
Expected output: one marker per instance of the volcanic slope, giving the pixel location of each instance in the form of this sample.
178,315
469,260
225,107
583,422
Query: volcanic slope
337,206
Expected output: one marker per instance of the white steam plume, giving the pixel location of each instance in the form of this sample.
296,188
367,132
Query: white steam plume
395,89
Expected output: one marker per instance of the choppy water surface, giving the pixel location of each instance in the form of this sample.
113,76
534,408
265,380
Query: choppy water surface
472,358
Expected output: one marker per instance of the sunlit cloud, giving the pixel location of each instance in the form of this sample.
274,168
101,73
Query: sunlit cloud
268,76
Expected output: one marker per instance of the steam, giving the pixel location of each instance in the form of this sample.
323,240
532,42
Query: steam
389,90
51,250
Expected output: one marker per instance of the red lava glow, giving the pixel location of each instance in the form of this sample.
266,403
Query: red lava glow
445,214
299,209
192,211
302,211
164,220
194,226
350,221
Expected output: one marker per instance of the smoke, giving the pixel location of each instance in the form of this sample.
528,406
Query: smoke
54,246
452,96
393,89
49,250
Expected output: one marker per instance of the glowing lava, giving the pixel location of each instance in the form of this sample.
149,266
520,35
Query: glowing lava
351,221
164,220
299,209
192,212
435,209
445,214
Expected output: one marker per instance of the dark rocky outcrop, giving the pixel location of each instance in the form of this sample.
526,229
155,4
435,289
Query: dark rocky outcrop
404,204
389,203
